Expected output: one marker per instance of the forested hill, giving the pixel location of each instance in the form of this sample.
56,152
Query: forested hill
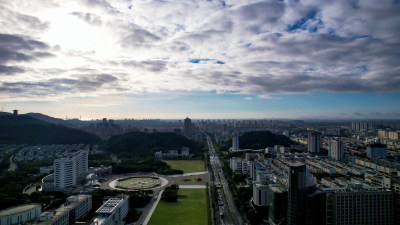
139,143
258,140
24,129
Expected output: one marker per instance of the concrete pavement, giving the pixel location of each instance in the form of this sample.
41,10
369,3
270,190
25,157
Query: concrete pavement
150,213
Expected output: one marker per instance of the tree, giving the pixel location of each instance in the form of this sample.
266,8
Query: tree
170,193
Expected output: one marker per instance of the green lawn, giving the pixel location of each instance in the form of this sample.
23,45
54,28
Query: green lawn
191,209
189,180
187,166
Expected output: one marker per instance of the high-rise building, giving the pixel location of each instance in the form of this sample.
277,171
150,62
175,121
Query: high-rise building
314,142
187,126
300,180
235,141
336,149
278,204
68,170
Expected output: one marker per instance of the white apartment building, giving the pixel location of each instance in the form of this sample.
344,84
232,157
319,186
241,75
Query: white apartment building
112,211
67,170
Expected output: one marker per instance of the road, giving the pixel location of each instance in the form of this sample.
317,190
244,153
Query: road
221,181
13,165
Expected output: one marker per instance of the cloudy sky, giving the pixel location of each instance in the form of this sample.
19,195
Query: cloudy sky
203,59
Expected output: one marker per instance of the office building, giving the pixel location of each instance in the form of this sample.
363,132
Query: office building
359,203
336,149
113,211
300,180
68,170
314,142
235,142
75,208
376,151
20,214
278,204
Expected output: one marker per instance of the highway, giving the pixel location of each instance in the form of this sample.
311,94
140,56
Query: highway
221,182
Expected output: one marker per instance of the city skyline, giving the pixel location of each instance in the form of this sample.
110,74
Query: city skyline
202,59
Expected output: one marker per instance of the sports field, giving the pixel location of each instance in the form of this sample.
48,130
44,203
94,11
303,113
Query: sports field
191,209
187,166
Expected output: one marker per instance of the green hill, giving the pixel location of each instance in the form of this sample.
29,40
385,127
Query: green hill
142,144
257,140
24,129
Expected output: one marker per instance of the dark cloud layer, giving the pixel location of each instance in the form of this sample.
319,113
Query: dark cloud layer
18,48
55,86
9,70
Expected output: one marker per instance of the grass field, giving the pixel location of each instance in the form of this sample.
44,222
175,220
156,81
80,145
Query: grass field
187,166
188,180
191,209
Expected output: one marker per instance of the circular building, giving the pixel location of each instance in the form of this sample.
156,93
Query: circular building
20,214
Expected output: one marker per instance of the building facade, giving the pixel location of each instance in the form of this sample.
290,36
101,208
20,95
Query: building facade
336,149
377,151
112,211
314,142
261,195
67,170
20,214
235,141
367,207
75,208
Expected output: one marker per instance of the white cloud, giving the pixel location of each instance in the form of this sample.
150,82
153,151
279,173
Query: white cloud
269,97
242,46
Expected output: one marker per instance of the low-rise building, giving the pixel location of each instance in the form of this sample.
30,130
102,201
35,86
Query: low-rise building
75,208
112,211
20,214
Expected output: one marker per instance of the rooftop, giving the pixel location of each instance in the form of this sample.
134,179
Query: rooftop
110,205
64,209
19,209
